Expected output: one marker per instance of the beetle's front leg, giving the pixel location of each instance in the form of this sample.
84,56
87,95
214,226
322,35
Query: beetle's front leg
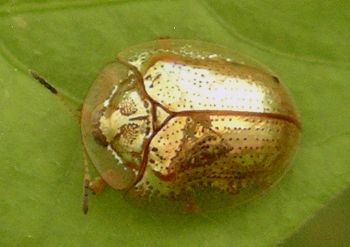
97,185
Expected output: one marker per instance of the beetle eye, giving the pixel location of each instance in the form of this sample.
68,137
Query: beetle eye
96,131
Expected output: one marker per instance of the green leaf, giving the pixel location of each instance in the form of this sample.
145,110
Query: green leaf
68,42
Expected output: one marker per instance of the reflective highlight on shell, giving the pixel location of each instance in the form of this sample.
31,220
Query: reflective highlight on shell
175,118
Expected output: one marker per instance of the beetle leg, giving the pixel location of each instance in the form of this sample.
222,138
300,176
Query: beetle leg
97,185
163,38
190,205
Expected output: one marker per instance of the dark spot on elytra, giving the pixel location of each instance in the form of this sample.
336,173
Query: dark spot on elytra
157,76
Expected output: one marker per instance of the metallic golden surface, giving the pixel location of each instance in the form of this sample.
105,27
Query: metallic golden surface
176,117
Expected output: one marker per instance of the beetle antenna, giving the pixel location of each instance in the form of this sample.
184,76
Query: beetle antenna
52,89
86,185
43,82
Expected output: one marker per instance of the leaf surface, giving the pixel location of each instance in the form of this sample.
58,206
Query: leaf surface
68,42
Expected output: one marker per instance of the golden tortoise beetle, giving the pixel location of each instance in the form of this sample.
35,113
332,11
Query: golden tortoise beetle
174,118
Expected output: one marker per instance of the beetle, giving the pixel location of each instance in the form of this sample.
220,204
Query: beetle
188,121
173,118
